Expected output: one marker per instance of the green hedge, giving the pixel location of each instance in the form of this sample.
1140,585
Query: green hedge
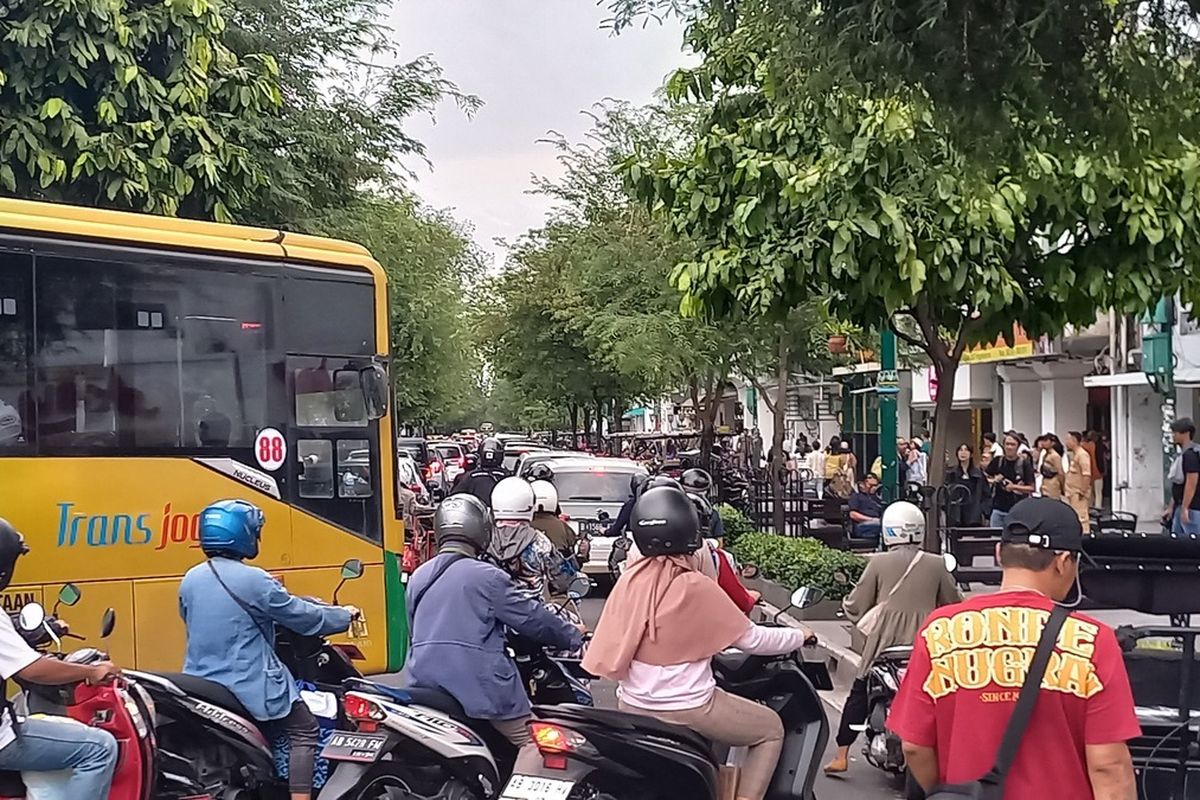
795,562
736,524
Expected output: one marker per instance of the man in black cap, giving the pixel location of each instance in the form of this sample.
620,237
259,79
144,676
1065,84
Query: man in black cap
970,660
1183,514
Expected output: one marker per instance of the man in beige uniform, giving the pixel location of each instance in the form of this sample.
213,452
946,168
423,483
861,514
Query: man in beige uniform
1079,480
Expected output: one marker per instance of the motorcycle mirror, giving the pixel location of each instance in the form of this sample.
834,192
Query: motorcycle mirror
950,561
579,587
750,571
69,594
31,617
807,597
352,569
603,516
841,577
107,623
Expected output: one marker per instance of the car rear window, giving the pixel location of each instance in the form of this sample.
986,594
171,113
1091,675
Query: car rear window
416,448
592,486
448,450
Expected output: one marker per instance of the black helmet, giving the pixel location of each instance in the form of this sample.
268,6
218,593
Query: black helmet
12,547
636,482
696,481
491,453
665,523
463,518
662,481
540,472
704,510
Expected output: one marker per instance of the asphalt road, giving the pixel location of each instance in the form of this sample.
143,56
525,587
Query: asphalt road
862,782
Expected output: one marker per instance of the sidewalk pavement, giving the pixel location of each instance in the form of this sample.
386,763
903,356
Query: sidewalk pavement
844,662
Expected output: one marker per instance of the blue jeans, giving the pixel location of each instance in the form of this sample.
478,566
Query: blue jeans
53,744
866,530
1189,528
999,518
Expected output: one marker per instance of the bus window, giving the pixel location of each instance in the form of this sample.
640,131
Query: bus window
16,325
316,468
329,398
313,324
354,468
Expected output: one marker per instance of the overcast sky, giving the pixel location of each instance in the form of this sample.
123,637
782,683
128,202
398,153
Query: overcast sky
535,64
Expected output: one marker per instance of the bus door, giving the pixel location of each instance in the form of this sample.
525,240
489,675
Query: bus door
333,441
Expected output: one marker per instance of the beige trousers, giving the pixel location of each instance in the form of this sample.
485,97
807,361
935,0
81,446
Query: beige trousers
1079,501
737,722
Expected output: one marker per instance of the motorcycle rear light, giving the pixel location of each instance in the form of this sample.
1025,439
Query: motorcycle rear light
361,710
554,761
554,739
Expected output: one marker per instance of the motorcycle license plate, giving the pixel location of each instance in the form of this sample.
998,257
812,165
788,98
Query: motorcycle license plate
528,787
364,748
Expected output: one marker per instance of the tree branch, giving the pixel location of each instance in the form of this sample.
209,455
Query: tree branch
757,384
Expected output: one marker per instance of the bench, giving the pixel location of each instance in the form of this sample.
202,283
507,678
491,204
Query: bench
967,544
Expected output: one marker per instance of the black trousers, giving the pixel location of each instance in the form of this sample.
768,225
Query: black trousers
302,732
853,713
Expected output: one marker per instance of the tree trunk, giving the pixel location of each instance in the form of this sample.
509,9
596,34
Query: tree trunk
946,369
587,425
573,410
779,461
599,423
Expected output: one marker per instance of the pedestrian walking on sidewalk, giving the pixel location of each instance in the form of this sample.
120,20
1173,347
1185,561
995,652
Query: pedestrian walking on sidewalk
971,660
906,585
1079,480
1183,515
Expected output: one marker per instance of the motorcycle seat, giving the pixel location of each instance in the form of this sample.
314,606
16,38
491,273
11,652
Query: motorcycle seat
11,784
208,691
623,720
901,652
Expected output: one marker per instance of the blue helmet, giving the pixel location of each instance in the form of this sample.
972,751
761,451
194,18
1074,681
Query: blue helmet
231,528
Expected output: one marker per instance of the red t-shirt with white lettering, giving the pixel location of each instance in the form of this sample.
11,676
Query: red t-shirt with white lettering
967,667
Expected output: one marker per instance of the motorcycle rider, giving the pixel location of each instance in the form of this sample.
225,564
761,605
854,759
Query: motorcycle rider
546,518
457,624
488,471
697,481
637,483
50,744
522,550
230,610
907,585
660,628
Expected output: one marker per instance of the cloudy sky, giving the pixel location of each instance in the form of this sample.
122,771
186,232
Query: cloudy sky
536,64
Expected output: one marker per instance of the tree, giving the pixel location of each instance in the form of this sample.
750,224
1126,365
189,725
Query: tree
129,105
346,98
872,200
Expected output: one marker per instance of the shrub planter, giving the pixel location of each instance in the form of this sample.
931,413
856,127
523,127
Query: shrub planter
837,344
781,597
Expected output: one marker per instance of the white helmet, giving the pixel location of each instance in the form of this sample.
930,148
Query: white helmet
902,523
512,499
545,497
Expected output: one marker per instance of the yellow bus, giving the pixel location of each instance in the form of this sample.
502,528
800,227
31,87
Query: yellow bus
149,366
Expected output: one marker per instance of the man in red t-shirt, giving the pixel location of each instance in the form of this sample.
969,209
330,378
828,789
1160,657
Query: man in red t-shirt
970,660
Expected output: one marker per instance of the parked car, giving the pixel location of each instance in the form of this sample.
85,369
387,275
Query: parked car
454,456
591,492
527,462
433,469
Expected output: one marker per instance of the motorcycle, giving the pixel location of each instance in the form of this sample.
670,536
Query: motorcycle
883,748
419,743
594,753
121,707
202,724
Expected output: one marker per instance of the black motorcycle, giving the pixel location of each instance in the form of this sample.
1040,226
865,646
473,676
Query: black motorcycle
883,748
202,724
595,753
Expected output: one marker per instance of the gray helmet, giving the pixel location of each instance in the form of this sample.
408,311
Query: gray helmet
463,518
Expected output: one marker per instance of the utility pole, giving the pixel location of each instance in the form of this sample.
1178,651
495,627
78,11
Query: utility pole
888,387
1158,362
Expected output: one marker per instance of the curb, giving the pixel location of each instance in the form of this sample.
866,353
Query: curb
839,656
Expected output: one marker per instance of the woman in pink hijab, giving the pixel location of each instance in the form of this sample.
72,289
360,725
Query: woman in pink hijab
663,623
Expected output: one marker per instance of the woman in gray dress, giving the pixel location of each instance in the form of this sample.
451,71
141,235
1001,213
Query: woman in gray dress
907,585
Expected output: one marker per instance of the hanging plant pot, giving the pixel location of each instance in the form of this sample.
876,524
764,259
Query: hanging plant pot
837,344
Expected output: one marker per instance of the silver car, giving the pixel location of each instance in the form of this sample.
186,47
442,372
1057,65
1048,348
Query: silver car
591,492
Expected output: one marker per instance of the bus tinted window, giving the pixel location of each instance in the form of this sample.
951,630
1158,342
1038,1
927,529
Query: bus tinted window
136,358
327,317
16,324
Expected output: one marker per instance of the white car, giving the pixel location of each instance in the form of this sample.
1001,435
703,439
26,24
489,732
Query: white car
591,492
528,461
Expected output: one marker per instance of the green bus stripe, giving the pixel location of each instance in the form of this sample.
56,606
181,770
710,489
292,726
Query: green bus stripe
397,612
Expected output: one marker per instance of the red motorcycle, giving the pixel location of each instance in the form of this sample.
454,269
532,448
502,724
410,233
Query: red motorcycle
121,707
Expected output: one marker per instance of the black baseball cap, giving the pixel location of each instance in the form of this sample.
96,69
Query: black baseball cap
1043,522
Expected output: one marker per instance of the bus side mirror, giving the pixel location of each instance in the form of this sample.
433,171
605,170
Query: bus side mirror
374,380
107,623
352,569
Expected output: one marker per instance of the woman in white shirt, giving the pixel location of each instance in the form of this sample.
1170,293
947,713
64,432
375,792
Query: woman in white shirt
663,623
